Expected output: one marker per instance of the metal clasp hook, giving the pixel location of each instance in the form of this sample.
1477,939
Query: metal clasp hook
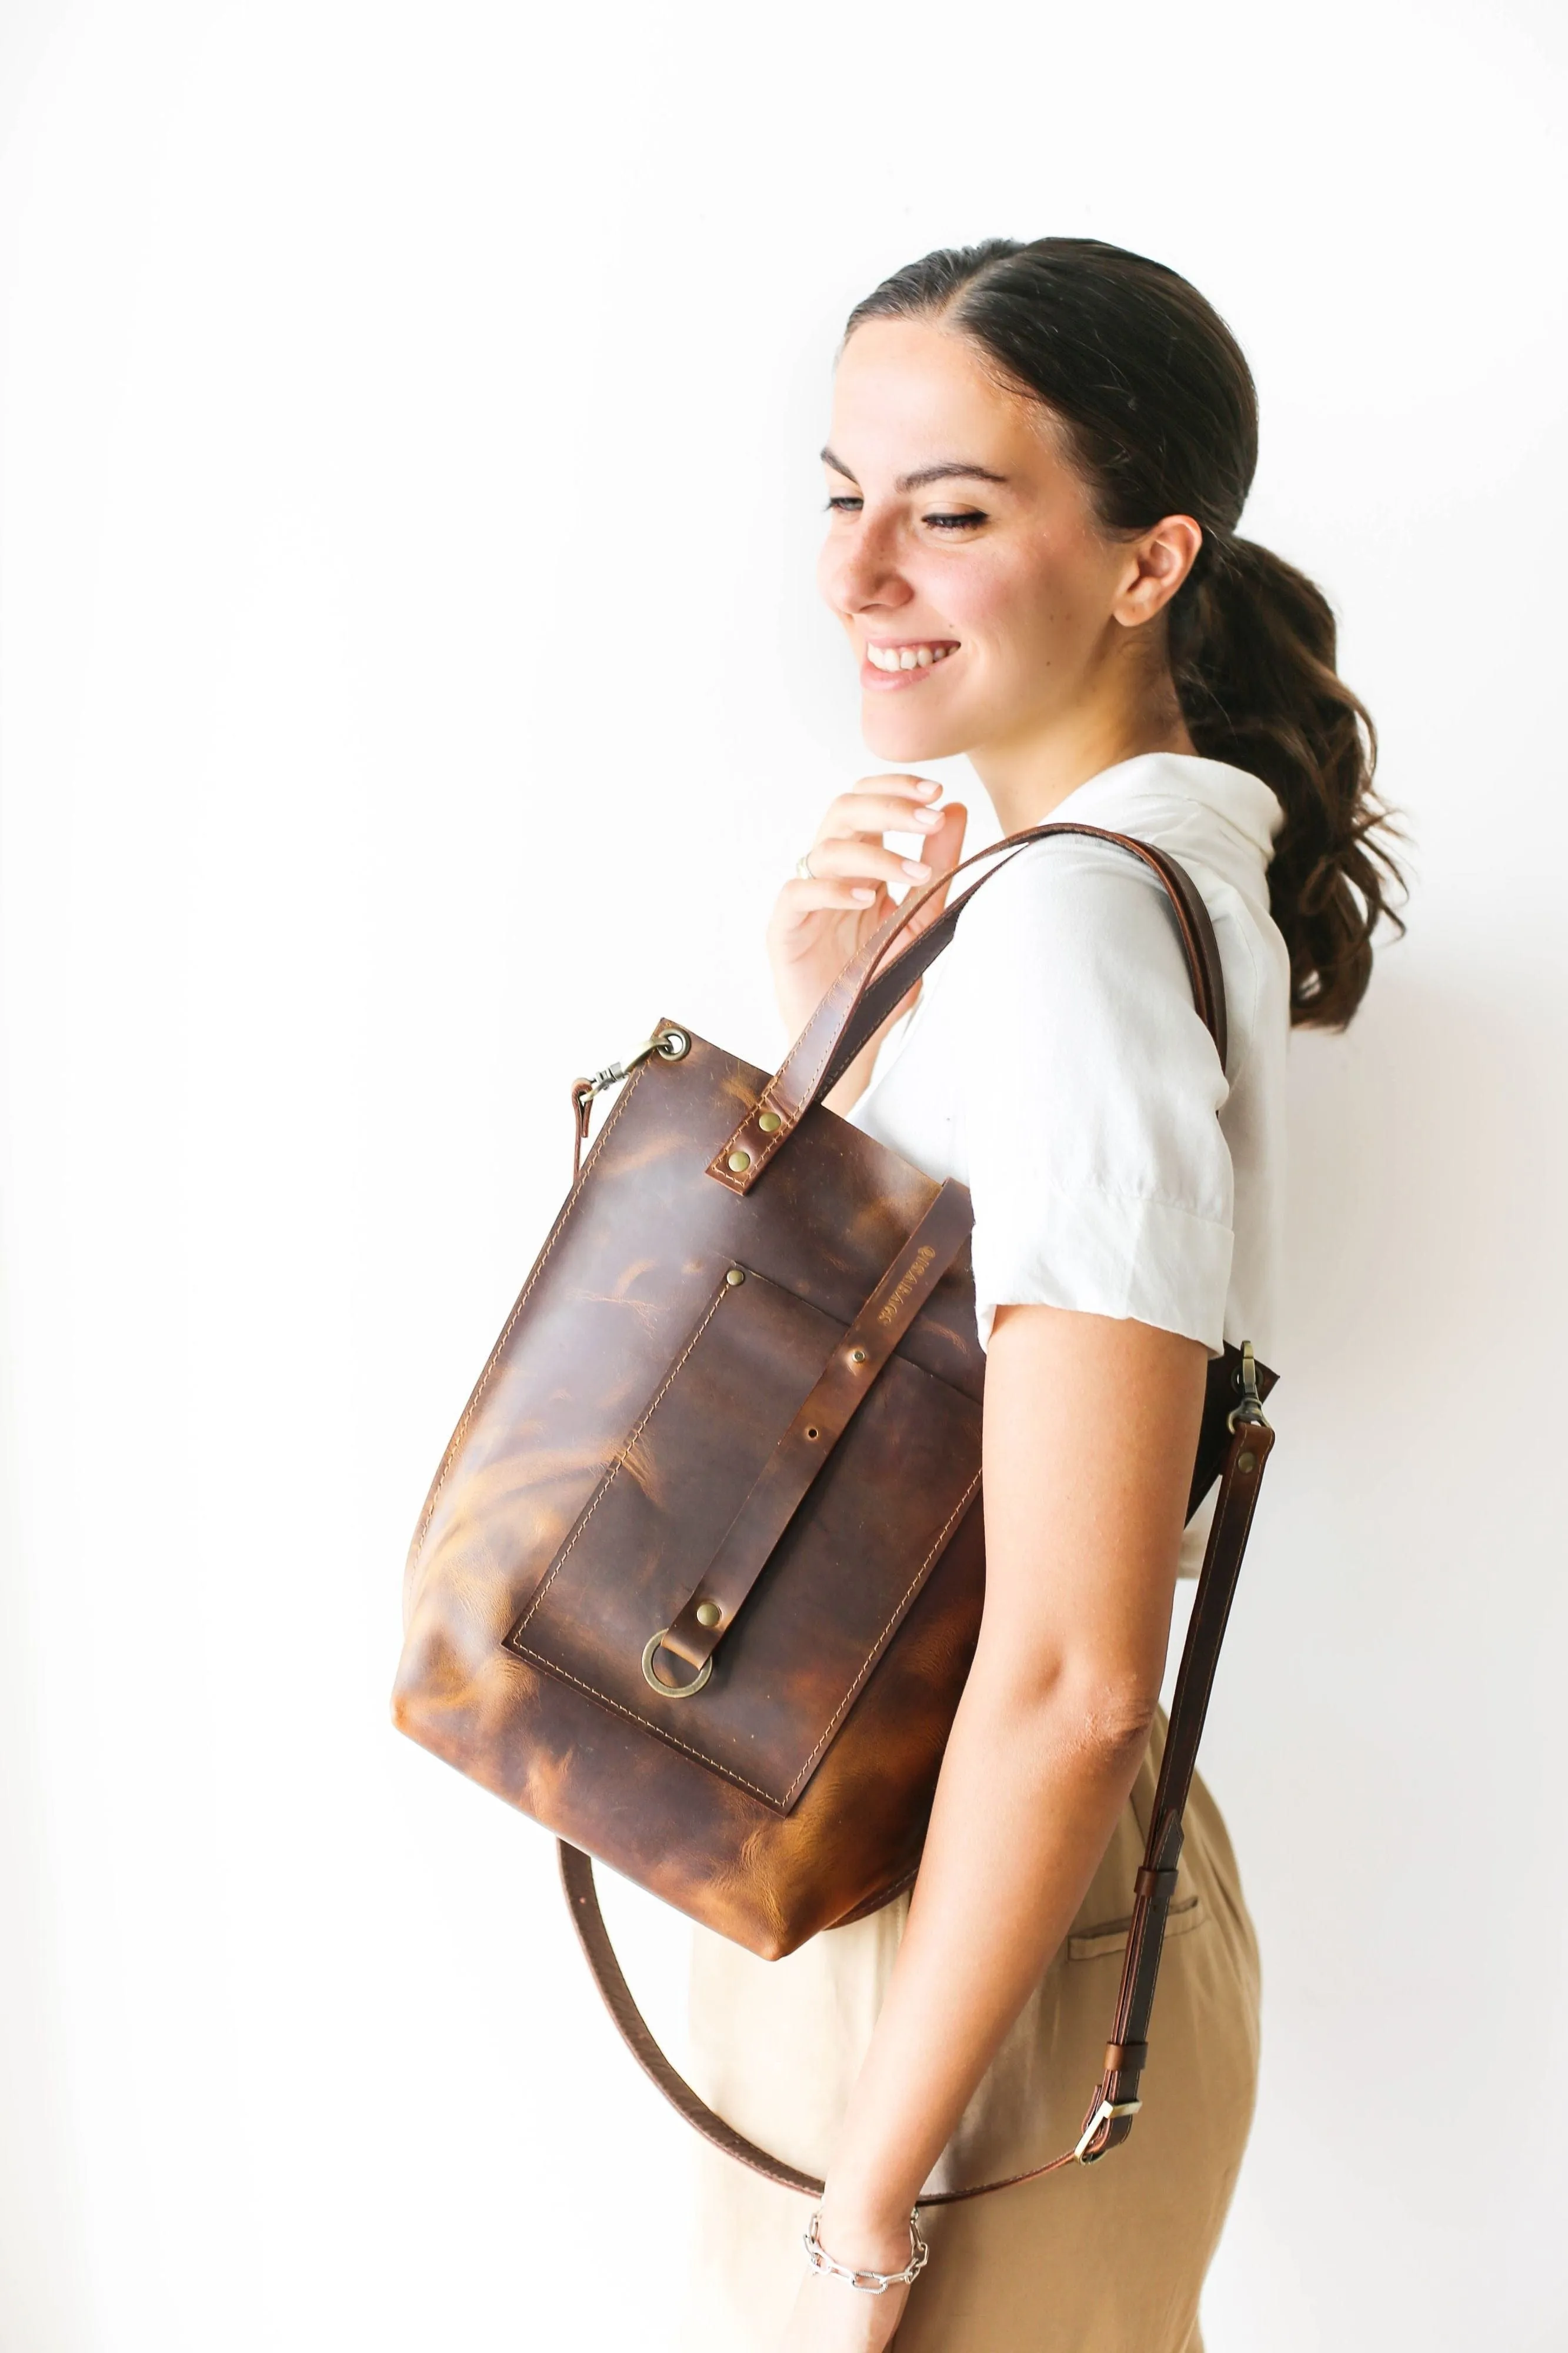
669,1044
1250,1409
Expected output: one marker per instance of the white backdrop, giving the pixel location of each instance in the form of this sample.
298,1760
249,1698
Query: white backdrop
412,685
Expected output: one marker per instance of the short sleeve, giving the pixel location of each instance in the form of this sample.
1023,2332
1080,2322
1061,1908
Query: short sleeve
1090,1089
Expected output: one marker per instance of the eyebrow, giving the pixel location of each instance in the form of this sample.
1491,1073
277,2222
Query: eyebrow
953,470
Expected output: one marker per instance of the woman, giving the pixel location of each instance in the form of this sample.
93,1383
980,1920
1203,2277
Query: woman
1037,458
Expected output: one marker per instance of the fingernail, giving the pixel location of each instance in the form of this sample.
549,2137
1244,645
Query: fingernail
913,867
928,818
865,897
925,787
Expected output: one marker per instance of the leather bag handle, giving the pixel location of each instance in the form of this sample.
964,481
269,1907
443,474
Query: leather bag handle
1116,2101
869,987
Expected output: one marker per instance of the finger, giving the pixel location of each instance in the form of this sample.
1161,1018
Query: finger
943,853
803,898
867,803
851,820
856,856
945,848
899,785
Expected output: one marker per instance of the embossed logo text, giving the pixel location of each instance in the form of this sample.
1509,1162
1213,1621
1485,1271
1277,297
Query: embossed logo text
889,1311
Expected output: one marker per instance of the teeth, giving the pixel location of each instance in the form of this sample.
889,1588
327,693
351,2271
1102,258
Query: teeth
906,657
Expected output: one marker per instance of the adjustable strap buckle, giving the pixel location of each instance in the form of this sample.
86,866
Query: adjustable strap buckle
1107,2110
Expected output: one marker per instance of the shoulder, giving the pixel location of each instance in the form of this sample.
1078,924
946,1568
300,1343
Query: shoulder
1084,921
1216,820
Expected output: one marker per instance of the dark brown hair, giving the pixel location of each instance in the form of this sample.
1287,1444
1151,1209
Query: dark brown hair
1161,414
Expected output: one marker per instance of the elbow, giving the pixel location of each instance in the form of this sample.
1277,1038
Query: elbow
1110,1720
1101,1715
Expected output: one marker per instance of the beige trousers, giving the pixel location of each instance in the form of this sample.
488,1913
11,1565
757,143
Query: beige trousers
1107,2258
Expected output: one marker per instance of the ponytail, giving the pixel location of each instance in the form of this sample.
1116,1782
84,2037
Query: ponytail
1161,414
1252,652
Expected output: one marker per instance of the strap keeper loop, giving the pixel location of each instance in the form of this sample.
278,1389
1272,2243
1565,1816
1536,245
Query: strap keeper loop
1126,2058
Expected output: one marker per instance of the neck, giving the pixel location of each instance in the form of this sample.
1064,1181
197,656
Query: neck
1027,777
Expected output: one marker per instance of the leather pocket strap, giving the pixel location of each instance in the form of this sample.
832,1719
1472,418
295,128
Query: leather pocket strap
786,1478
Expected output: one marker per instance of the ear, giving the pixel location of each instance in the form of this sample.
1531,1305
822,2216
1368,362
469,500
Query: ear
1157,563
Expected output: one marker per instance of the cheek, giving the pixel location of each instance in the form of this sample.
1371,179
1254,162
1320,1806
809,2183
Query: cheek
979,595
1029,602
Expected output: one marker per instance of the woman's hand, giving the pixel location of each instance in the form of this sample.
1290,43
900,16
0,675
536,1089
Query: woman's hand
831,2316
818,925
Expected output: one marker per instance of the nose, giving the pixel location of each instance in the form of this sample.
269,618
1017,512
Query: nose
859,573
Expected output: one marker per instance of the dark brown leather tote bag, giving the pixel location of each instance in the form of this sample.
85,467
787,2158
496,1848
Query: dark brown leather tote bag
698,1580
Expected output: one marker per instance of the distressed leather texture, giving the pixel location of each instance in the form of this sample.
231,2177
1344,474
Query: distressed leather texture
637,1406
809,1637
811,1449
637,1258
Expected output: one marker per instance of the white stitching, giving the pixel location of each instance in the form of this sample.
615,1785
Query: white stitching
643,1724
794,1050
613,1473
700,1756
766,1152
490,1362
875,1650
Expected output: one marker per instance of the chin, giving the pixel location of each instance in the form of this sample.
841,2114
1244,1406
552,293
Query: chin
904,737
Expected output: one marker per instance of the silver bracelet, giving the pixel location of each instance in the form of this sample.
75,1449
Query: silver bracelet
869,2283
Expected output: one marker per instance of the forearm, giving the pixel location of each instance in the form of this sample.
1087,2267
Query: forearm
1090,1428
1030,1789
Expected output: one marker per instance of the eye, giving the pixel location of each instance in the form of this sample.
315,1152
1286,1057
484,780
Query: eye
848,503
965,522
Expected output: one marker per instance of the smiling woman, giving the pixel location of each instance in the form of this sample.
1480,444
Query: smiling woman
1036,461
1006,576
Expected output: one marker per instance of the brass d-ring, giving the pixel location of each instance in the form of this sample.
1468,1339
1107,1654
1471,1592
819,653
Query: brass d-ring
670,1691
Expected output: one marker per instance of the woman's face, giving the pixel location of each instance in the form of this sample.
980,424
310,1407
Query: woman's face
982,598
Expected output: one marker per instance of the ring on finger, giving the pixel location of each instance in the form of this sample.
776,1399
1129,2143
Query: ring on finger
802,868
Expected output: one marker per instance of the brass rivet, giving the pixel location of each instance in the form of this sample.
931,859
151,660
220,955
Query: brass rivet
709,1613
768,1119
740,1162
811,1433
857,1356
736,1274
1246,1461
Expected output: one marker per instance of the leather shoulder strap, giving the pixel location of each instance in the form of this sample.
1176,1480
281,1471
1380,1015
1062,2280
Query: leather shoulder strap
871,984
1116,2096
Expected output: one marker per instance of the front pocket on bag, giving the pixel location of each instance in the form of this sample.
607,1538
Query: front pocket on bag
1110,1936
866,1535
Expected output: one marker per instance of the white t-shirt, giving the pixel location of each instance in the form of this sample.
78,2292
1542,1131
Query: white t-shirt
1056,1064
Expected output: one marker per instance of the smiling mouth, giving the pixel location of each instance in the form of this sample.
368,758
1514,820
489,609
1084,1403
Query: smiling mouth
920,654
